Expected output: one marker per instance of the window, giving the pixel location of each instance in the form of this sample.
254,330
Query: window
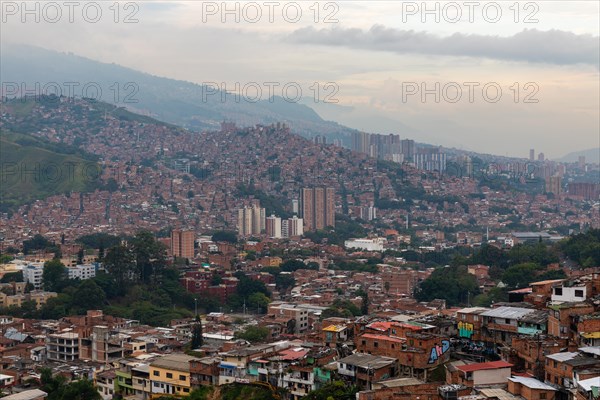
542,396
375,344
169,375
578,293
182,378
156,373
507,321
558,291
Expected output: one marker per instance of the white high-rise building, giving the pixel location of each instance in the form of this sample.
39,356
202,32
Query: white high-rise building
32,273
273,227
285,228
251,220
82,271
295,226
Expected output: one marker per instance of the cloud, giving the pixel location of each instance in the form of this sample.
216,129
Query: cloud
531,45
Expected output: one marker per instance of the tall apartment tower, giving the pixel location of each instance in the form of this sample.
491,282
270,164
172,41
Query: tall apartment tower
295,226
407,148
318,207
531,154
273,227
541,157
251,220
553,185
182,243
361,142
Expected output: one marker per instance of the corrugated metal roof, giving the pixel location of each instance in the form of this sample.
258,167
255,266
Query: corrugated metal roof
365,360
531,383
508,312
564,356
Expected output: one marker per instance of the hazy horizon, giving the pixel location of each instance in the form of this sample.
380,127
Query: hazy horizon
379,55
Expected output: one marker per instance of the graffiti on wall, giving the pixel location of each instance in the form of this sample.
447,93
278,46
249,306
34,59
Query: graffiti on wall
438,351
465,330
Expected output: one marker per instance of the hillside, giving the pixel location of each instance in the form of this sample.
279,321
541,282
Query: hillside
32,169
141,176
178,102
591,156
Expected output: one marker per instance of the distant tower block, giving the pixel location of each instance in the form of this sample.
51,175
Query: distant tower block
182,243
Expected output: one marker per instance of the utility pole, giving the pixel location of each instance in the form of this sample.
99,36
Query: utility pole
195,307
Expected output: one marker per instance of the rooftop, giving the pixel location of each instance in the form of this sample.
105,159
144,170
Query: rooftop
507,312
531,383
484,366
364,360
176,362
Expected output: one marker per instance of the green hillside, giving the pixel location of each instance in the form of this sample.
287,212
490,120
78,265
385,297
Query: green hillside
32,169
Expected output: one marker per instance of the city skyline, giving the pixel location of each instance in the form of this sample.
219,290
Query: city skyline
374,55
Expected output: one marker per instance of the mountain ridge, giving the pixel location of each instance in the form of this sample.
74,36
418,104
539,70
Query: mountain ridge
174,101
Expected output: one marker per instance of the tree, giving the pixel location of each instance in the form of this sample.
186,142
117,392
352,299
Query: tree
197,339
12,277
337,390
150,256
89,296
119,263
364,309
253,334
259,300
38,242
58,389
224,236
54,276
82,389
80,255
284,281
520,275
453,284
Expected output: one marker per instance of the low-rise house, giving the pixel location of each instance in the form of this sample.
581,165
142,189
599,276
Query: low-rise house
170,374
501,324
478,374
530,388
34,394
364,369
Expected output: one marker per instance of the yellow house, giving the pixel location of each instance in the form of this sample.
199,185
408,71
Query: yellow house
170,374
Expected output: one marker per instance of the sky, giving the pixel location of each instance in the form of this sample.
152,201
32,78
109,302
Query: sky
494,77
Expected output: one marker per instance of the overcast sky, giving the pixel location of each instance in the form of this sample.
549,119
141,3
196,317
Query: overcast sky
542,55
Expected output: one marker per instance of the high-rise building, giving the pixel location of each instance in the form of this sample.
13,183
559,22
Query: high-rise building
581,162
431,159
361,142
285,228
295,226
182,243
251,221
295,208
531,154
541,157
553,185
585,190
273,227
318,207
408,149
